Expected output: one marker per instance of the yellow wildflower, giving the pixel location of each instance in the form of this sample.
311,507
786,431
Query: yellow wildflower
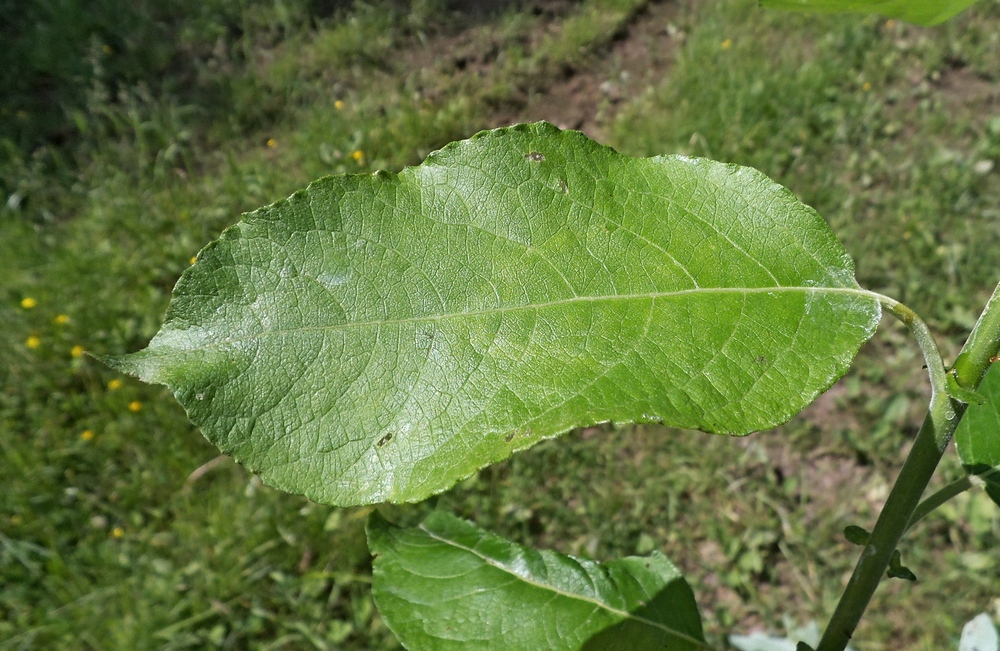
32,342
87,435
193,259
272,143
135,406
15,519
358,155
866,86
726,44
339,104
890,23
61,319
27,302
77,351
114,384
117,532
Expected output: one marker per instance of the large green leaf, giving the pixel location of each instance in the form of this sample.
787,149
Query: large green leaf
977,438
380,337
449,585
921,12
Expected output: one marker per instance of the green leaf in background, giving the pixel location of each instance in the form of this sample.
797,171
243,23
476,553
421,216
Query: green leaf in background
381,337
977,438
921,12
448,585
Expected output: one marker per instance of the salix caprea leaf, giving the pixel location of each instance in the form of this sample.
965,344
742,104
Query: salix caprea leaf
380,337
447,584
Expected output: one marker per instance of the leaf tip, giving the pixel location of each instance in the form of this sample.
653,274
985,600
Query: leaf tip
142,364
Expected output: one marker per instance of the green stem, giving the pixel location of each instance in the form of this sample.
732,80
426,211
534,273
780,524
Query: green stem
926,507
936,431
983,345
932,356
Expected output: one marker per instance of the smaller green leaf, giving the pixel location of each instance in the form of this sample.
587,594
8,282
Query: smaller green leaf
977,438
897,570
447,584
857,535
921,12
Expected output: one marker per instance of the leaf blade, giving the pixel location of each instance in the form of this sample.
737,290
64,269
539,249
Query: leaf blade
447,584
920,12
380,337
977,438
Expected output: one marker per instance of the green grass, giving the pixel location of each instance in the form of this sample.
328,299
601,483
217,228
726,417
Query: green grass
115,534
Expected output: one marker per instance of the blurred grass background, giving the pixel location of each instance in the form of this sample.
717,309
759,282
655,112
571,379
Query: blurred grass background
131,135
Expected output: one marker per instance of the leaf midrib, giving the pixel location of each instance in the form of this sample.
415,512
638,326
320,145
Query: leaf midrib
570,595
431,318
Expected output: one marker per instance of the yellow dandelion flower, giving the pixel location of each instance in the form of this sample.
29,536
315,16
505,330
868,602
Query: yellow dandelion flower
61,319
890,23
114,384
358,155
87,435
27,302
867,86
77,351
726,44
117,532
32,342
272,143
339,104
135,406
15,519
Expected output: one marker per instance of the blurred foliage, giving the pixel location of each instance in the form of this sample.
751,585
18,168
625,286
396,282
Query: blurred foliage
61,58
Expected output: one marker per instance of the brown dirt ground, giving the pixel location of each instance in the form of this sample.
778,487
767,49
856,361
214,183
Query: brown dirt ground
587,99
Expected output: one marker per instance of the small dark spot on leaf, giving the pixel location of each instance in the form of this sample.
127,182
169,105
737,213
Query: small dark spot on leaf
385,439
762,360
535,157
510,436
526,432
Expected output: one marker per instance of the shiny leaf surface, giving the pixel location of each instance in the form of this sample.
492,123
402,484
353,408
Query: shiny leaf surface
448,585
380,337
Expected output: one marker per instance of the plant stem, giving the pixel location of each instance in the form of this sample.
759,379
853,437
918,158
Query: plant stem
983,345
936,431
892,522
926,507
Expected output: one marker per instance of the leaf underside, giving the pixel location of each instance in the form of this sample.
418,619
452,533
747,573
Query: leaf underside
920,12
380,337
977,438
448,585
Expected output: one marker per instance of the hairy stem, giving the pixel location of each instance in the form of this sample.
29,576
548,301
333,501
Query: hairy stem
938,427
